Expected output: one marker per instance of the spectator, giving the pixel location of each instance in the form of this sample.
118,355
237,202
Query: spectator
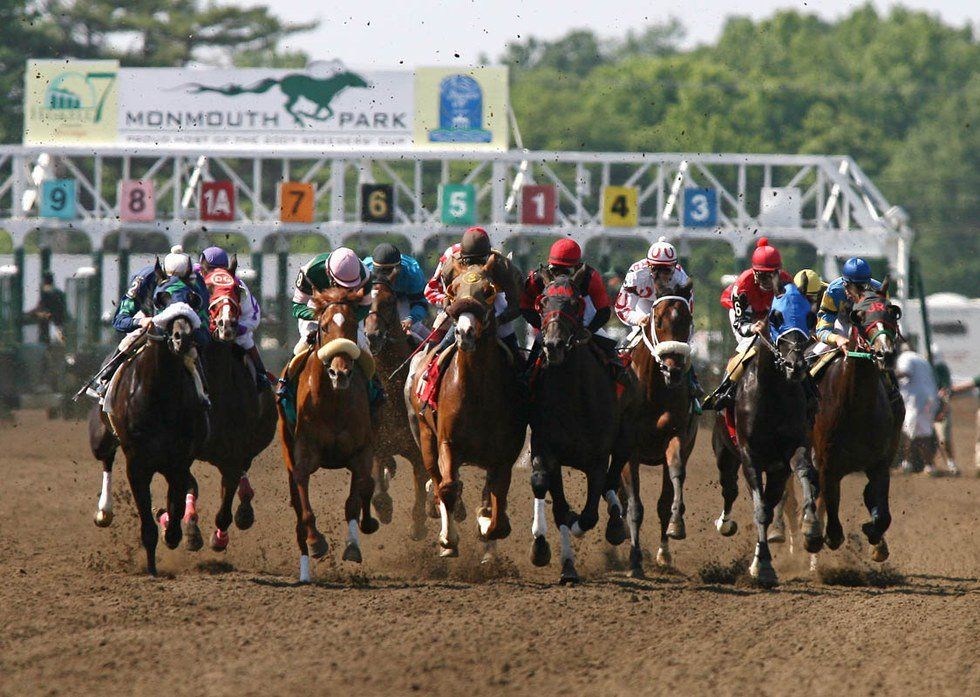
918,388
943,424
51,309
961,388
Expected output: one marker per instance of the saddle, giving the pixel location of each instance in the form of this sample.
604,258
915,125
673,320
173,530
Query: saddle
286,394
820,362
427,390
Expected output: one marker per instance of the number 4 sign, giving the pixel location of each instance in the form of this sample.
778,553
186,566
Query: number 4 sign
218,201
620,206
136,201
538,205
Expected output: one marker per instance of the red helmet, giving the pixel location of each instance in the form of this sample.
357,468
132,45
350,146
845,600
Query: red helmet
766,257
565,252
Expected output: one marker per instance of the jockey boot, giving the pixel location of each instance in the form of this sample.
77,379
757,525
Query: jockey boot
723,396
376,398
262,379
812,393
192,360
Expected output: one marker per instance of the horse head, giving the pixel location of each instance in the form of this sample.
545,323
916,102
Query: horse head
669,331
382,320
874,322
561,309
337,333
176,306
471,295
788,326
225,307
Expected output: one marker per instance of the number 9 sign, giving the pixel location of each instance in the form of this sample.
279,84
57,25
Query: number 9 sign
136,201
58,198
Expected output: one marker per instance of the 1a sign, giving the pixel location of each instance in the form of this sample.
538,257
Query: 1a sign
620,207
377,203
296,202
137,203
58,198
457,203
218,201
538,205
700,207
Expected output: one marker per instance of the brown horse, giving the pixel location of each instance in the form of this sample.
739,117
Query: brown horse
857,429
482,417
389,344
667,424
333,426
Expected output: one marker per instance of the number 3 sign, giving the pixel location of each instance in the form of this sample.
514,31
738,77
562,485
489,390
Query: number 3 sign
136,201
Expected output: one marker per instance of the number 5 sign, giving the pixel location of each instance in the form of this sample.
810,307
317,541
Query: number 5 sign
136,201
296,202
218,201
458,204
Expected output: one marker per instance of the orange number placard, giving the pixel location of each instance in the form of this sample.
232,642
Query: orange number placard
296,204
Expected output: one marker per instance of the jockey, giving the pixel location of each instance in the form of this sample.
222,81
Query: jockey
217,258
407,281
748,301
565,259
475,248
832,327
812,286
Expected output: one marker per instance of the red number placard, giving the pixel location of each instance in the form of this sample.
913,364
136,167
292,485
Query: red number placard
538,204
218,201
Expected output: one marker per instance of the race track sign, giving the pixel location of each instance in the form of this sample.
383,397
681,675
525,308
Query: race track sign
218,201
377,203
620,206
58,198
700,207
538,203
297,202
457,203
136,201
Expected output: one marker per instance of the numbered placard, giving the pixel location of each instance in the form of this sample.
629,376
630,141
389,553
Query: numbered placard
296,202
620,207
377,203
137,203
700,207
458,204
218,201
58,198
538,205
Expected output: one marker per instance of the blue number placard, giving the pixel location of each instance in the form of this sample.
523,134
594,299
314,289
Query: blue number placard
700,207
58,198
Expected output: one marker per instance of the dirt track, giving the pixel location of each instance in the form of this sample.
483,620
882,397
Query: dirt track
77,616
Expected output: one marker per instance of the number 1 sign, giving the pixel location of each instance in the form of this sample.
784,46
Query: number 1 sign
136,201
538,205
218,201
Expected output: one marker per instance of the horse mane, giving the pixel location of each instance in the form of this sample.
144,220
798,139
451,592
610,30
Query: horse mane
323,298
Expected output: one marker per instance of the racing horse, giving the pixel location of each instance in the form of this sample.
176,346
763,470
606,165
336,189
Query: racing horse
666,422
857,428
578,419
333,426
243,420
389,344
771,429
482,412
156,416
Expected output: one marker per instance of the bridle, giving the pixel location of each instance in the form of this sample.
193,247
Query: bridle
778,358
866,344
659,348
384,328
561,314
319,329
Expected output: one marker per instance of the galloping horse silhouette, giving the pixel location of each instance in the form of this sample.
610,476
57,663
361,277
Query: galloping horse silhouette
294,86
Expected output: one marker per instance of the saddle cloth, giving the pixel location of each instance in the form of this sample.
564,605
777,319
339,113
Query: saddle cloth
427,390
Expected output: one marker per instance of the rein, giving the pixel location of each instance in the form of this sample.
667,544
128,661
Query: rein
653,341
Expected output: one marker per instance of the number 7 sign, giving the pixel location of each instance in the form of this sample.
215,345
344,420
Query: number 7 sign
296,204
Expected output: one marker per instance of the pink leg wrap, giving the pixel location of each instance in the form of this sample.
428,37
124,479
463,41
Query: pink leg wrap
164,520
190,509
220,538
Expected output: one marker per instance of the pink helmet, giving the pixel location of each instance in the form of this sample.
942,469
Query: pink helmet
662,253
345,268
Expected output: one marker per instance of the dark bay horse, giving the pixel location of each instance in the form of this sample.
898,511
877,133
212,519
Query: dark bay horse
857,429
482,415
667,424
333,426
157,417
771,427
578,420
390,346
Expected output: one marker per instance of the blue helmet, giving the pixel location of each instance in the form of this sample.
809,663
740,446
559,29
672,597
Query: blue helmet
857,270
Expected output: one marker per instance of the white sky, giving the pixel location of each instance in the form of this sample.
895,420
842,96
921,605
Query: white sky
381,33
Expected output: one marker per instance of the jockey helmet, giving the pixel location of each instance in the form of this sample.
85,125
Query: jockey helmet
216,257
662,253
177,263
565,252
766,257
857,270
386,254
475,244
809,282
345,268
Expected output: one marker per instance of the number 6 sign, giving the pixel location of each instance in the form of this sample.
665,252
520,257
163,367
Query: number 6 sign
136,201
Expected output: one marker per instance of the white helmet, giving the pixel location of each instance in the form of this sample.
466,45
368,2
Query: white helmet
177,263
662,253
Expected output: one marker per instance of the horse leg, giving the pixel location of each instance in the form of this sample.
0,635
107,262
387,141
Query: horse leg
304,552
381,471
485,512
193,540
139,483
230,477
427,475
806,474
564,518
728,478
876,501
316,541
830,492
764,500
595,479
103,514
677,470
178,485
245,514
540,481
615,527
290,103
447,494
634,515
420,480
358,504
664,506
777,531
499,482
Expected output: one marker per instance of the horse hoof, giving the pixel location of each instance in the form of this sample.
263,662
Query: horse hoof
193,534
383,506
244,516
163,518
879,552
776,536
727,528
540,551
459,513
616,531
813,543
871,532
569,576
763,572
418,530
834,541
446,552
103,519
352,553
676,530
431,509
488,558
219,541
664,558
369,526
318,547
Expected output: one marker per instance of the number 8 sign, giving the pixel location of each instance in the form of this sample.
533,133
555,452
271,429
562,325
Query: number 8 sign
136,201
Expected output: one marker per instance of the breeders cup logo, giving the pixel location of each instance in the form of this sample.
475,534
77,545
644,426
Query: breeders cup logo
460,112
76,100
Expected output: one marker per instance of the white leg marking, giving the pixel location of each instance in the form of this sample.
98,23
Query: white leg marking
444,532
352,533
566,543
576,530
722,519
813,562
304,569
484,523
539,526
105,499
613,500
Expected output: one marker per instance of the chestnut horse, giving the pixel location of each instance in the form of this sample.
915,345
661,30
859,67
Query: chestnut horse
389,344
667,424
577,420
333,426
857,429
482,416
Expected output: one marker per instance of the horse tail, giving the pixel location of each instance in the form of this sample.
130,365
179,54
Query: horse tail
233,90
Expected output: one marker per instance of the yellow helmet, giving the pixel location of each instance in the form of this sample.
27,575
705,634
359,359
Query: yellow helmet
809,282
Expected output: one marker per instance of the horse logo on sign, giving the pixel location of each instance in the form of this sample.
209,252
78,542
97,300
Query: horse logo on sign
460,112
